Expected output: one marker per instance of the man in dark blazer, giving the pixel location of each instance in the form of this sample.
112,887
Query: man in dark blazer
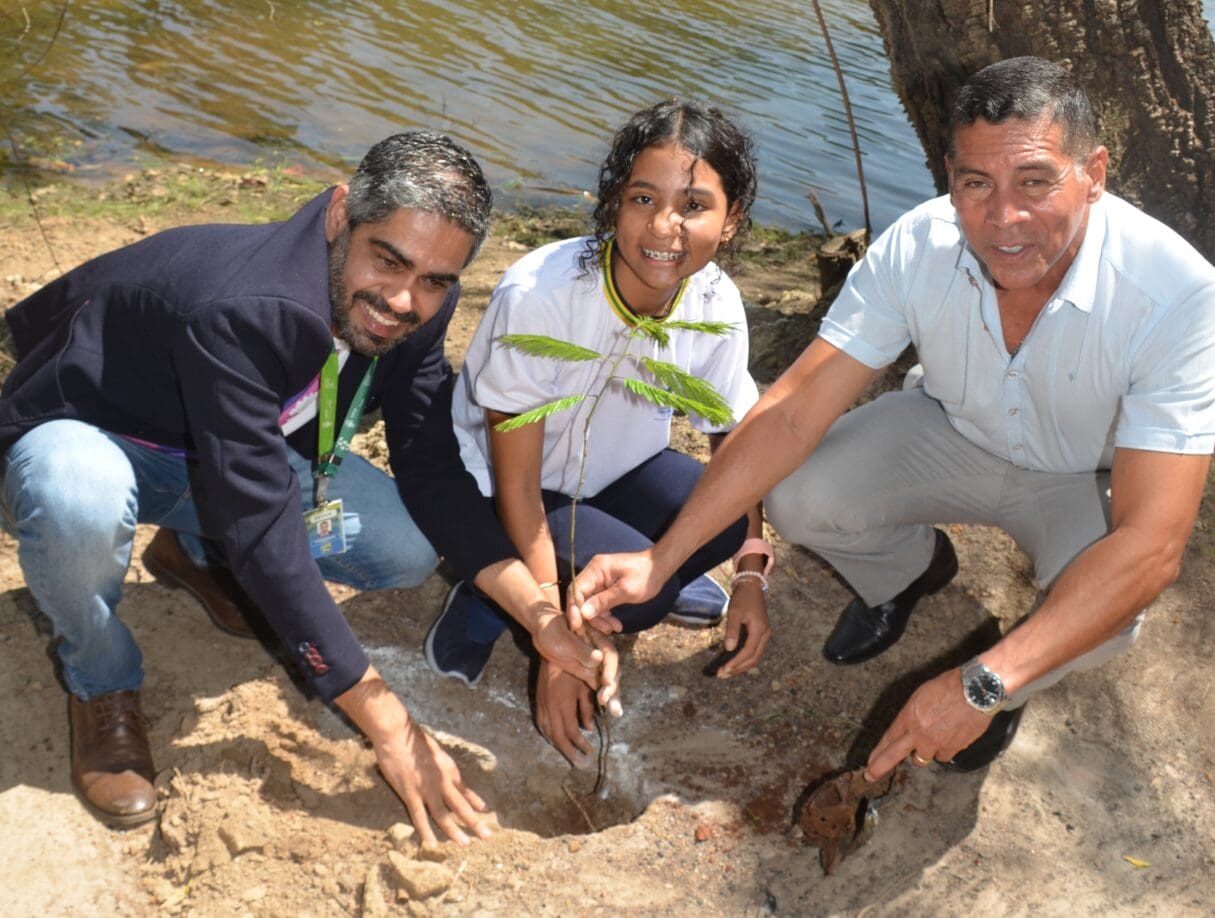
200,380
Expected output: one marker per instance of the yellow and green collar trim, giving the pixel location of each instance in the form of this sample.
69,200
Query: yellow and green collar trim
616,301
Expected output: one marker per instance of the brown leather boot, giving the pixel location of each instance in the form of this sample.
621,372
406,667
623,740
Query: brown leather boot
111,762
214,587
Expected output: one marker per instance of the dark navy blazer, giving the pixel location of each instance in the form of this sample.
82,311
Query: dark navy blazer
196,338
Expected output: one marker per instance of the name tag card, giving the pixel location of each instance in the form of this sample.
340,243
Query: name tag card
326,529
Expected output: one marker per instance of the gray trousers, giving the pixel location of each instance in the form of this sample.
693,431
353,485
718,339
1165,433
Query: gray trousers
866,499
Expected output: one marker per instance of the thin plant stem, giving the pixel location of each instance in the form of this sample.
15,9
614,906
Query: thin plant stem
604,726
586,444
601,720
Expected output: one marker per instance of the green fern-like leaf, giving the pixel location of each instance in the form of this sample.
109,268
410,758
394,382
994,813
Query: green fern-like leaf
685,384
660,331
652,329
544,346
716,415
538,414
709,328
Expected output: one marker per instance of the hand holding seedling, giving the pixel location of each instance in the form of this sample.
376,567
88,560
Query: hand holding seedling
613,580
584,655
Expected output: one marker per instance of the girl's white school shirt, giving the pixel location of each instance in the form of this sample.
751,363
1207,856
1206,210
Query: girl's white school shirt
548,293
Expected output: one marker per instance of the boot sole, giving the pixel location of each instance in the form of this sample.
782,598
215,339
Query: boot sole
115,820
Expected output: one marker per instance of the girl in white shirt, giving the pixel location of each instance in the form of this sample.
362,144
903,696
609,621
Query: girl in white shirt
674,192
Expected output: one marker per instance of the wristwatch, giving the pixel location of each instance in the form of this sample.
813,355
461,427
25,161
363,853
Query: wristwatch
982,689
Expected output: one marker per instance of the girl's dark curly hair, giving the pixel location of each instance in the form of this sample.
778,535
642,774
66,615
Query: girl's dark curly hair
701,130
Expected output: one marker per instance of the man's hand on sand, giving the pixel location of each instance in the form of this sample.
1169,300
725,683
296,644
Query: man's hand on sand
415,766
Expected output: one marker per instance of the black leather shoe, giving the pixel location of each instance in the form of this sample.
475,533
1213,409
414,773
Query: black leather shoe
865,631
987,748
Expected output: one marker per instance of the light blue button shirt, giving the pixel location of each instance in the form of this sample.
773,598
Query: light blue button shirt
1123,355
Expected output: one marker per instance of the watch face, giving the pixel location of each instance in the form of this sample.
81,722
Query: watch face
984,689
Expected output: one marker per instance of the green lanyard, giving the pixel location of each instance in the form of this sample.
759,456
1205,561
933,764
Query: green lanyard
330,453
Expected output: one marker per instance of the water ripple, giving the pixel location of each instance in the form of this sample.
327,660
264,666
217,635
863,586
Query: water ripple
534,87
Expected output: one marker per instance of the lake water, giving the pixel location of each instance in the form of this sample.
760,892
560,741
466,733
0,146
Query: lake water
534,87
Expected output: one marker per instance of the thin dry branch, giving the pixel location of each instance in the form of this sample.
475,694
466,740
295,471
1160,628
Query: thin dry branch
12,141
856,145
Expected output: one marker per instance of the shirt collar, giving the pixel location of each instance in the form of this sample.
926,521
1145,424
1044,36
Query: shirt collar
1081,278
616,301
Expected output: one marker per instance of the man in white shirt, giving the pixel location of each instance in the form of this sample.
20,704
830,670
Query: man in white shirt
1066,393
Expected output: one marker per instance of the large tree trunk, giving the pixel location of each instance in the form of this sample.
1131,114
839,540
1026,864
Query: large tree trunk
1149,66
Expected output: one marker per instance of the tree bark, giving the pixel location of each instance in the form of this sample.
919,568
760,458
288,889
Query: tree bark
1149,66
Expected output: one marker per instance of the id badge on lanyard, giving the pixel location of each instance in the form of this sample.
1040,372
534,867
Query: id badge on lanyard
325,522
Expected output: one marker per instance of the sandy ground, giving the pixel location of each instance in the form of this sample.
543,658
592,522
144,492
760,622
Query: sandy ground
272,805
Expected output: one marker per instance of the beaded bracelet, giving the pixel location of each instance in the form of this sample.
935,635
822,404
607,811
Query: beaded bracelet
750,575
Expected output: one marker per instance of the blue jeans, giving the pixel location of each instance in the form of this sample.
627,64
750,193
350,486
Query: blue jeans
628,515
72,494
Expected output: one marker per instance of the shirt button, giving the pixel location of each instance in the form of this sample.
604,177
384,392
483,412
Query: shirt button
1013,412
1016,446
1012,374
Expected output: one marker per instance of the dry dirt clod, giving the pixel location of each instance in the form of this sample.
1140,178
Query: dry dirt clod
373,893
419,879
173,833
403,837
306,795
435,852
245,833
209,853
207,705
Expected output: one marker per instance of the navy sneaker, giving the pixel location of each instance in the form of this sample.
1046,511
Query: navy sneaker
449,652
701,604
